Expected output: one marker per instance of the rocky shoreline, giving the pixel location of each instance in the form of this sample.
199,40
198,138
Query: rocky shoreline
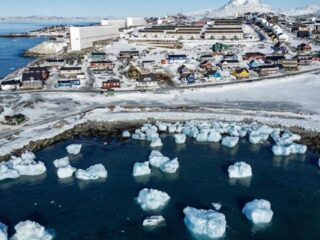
115,129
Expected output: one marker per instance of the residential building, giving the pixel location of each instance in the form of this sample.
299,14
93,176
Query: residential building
10,85
177,58
147,80
111,84
290,64
241,73
102,65
70,71
265,70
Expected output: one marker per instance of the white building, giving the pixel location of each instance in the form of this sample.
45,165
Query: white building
136,22
85,37
120,23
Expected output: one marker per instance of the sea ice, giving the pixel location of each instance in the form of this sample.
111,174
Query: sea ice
8,172
156,159
257,137
141,169
126,134
170,166
92,173
151,199
74,149
138,135
3,232
240,170
217,206
230,141
162,127
205,223
62,162
180,138
29,230
26,165
258,211
202,137
214,137
66,171
286,150
156,142
153,221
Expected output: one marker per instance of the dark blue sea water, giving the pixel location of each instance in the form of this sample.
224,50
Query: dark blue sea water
102,210
11,49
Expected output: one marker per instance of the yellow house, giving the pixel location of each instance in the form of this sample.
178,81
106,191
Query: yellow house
240,73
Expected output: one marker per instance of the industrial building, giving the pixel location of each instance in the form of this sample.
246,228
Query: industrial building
120,23
85,37
135,22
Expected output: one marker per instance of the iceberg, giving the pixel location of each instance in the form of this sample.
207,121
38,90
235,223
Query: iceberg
214,137
3,232
240,170
217,206
62,162
151,199
258,211
141,169
257,137
29,230
205,223
92,173
180,138
66,171
156,159
139,135
126,134
172,129
151,135
170,166
202,136
162,127
286,150
74,149
26,165
153,221
8,173
230,141
156,142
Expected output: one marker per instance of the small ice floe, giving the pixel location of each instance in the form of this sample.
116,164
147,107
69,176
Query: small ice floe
29,230
230,141
217,206
214,137
286,150
6,172
205,223
152,200
256,137
66,171
153,221
3,232
141,169
286,138
170,166
152,136
139,135
92,173
26,165
156,142
162,127
319,163
126,134
156,159
202,136
258,211
240,170
62,162
180,138
74,149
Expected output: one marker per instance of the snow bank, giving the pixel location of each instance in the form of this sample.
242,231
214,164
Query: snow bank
153,221
170,166
180,138
230,141
62,162
66,171
47,48
92,173
258,211
126,134
141,169
151,199
26,165
205,223
286,150
3,232
240,170
74,149
29,230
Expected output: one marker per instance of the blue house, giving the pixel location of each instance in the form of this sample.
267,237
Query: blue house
213,74
191,79
253,64
67,83
177,58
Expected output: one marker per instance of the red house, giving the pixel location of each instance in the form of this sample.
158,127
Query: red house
304,47
111,84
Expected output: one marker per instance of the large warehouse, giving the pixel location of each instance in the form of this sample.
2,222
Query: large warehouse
85,37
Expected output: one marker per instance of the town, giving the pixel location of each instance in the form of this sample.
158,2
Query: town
137,54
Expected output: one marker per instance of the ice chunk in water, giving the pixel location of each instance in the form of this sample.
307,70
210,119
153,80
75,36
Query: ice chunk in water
126,134
62,162
214,137
66,171
153,221
151,199
240,170
141,169
170,166
29,230
156,142
156,159
3,232
230,141
202,137
205,223
180,138
74,149
258,211
217,206
286,150
6,172
92,173
26,165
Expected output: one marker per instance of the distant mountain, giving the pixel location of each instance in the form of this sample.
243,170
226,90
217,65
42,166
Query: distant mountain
234,8
49,19
308,10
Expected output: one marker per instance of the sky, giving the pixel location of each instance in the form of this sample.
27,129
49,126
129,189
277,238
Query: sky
122,8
